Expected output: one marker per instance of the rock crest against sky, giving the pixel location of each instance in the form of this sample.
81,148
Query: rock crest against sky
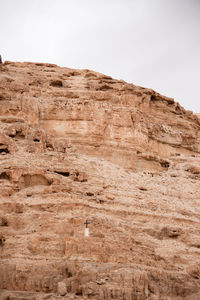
152,43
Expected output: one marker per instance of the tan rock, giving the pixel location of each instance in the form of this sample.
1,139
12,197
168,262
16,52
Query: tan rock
77,145
62,288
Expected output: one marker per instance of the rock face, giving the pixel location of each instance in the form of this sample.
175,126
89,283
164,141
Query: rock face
77,145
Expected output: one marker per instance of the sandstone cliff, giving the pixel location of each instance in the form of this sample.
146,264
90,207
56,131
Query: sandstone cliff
77,145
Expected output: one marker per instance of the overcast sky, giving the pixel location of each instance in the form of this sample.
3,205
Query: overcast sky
151,43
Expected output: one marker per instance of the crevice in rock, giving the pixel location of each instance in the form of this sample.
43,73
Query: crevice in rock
17,135
79,293
4,176
67,272
2,240
4,149
153,98
49,146
165,164
90,194
56,83
104,87
66,174
141,188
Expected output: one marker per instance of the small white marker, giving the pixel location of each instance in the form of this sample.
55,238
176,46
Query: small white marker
86,228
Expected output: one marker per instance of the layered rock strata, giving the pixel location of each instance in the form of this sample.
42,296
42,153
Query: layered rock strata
77,145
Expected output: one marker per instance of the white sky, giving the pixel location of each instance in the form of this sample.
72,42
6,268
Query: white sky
152,43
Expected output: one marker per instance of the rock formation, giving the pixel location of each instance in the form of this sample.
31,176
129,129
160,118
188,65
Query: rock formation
77,145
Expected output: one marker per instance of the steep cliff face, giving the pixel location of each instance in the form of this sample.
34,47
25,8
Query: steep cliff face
97,115
77,145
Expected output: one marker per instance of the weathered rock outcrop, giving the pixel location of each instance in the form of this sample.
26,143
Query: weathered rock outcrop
77,145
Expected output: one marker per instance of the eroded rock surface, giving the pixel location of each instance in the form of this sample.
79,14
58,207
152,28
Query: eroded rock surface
77,145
